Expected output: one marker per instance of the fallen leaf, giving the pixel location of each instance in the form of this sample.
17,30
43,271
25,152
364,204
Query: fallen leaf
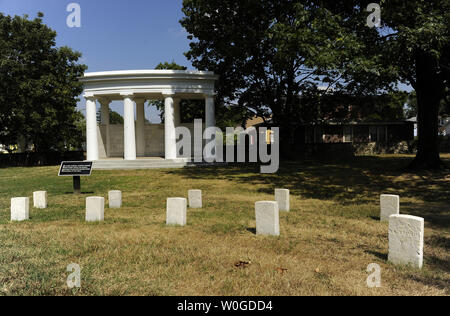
242,264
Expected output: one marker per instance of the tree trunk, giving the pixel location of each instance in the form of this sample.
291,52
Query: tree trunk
429,89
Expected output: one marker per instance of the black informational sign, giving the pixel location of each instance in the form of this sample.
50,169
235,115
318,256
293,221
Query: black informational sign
75,169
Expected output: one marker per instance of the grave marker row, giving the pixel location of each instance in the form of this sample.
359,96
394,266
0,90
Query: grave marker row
267,213
406,233
20,206
176,208
95,205
406,240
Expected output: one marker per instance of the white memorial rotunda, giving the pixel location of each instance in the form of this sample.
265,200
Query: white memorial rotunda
137,144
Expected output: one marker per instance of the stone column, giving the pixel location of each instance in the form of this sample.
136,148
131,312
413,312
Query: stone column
169,127
105,121
210,113
140,127
91,129
129,128
177,113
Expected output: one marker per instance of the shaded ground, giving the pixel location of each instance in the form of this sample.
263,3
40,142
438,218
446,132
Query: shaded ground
326,243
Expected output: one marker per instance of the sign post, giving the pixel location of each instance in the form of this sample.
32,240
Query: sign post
75,169
76,185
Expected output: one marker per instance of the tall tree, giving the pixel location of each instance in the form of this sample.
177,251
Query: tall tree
414,44
267,53
39,86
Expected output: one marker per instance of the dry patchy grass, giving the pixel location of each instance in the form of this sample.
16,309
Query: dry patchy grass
327,241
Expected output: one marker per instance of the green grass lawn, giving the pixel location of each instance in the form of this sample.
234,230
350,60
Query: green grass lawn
327,241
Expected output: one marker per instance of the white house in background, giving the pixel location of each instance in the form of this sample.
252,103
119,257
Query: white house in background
134,87
444,125
414,119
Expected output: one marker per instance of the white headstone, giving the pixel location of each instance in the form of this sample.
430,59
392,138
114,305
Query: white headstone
20,209
282,197
267,218
389,205
115,199
40,199
95,209
406,240
195,198
176,211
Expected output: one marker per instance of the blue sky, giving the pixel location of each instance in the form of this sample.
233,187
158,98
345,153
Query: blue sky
115,34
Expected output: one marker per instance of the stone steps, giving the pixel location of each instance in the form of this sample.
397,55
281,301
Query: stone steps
140,164
118,164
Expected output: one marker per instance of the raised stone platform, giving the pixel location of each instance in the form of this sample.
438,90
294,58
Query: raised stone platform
141,163
144,163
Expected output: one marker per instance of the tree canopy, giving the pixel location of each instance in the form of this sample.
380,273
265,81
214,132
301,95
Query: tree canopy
39,86
413,44
267,52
